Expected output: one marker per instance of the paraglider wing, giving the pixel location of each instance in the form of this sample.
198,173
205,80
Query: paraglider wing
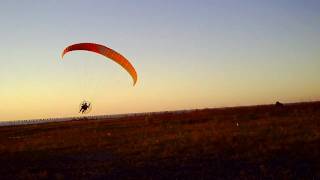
107,52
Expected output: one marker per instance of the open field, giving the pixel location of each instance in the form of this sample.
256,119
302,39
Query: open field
229,143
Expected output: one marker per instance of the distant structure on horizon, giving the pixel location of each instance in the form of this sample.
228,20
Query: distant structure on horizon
279,104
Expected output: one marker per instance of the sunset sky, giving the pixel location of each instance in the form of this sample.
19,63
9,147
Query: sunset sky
188,54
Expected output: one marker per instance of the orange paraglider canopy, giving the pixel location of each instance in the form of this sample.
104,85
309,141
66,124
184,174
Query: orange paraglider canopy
107,52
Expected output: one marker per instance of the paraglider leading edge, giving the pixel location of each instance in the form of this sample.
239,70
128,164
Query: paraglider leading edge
106,52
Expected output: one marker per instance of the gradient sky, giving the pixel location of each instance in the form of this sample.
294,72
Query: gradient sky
188,54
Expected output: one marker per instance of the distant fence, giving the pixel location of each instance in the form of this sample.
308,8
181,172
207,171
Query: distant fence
34,121
95,117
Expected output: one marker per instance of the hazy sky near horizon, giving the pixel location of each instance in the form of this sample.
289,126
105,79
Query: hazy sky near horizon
188,54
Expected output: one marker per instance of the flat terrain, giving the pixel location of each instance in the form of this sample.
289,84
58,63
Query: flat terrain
229,143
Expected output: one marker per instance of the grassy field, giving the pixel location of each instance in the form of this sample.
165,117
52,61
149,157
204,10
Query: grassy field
229,143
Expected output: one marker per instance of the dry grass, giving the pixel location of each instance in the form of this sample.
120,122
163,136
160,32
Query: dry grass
269,142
